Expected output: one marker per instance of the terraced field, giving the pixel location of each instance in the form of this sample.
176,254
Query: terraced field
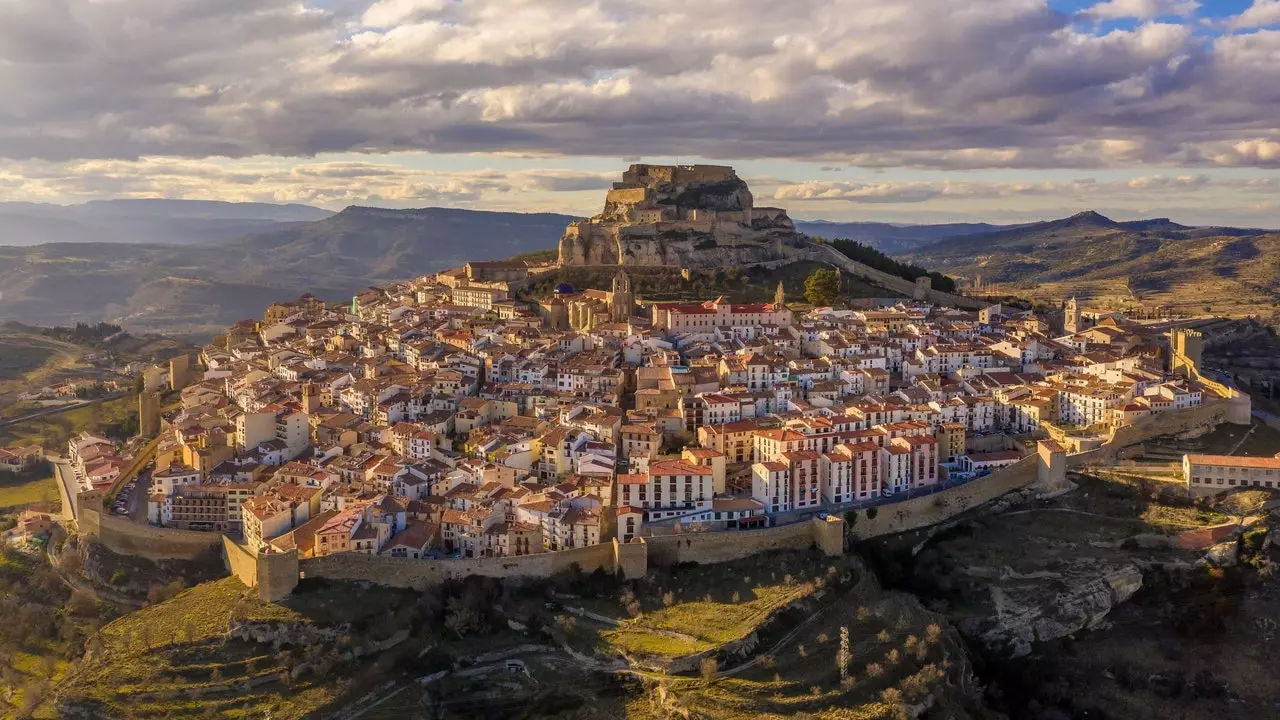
176,659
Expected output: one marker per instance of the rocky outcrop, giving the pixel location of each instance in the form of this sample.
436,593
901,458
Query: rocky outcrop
679,216
1020,616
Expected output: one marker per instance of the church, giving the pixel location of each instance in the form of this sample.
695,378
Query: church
589,309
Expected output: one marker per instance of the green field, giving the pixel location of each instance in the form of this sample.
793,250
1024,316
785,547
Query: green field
174,660
18,493
691,627
115,417
30,360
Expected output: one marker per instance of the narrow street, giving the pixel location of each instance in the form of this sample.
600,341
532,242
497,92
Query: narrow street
68,486
138,498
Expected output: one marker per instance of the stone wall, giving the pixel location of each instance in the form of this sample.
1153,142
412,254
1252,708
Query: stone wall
717,547
1169,422
277,574
417,574
241,562
126,537
897,284
938,507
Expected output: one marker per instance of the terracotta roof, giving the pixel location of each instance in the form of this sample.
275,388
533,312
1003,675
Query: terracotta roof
677,467
1234,461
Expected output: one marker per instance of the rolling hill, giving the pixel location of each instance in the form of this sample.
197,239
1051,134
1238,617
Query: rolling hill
170,222
891,238
1156,262
200,289
202,284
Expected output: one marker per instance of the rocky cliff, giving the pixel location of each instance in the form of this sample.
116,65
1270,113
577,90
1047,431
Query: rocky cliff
1023,613
678,216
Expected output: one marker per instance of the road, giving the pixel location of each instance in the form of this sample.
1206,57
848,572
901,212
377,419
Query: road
59,409
138,499
68,486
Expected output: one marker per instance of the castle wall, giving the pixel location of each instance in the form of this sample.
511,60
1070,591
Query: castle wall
277,575
126,537
241,562
1207,415
689,174
627,196
717,547
410,573
897,284
941,506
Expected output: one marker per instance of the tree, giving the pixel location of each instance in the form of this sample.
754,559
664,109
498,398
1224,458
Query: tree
822,287
845,655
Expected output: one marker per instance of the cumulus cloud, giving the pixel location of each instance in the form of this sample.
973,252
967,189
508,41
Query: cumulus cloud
1144,188
1262,13
1141,9
329,184
922,83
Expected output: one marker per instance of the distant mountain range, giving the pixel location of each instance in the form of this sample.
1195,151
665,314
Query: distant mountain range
890,238
1158,261
195,267
169,222
203,287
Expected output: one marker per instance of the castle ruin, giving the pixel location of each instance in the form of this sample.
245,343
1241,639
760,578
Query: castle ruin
678,216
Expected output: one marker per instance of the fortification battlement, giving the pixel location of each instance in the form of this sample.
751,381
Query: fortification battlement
644,174
678,216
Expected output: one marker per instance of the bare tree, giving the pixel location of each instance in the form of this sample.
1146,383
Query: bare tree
844,656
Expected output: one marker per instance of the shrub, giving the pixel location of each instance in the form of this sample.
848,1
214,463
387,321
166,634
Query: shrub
707,668
872,512
119,577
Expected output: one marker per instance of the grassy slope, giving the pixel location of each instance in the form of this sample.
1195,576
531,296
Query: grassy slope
53,431
161,662
1109,264
893,648
29,360
699,625
736,284
18,493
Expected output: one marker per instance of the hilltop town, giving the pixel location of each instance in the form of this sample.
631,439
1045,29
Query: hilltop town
441,418
492,428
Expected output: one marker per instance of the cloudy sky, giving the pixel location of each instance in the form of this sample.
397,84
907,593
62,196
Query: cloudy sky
909,111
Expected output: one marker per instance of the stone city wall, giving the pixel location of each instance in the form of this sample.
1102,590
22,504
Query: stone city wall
893,282
417,574
241,562
276,574
126,537
1205,416
941,506
717,547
